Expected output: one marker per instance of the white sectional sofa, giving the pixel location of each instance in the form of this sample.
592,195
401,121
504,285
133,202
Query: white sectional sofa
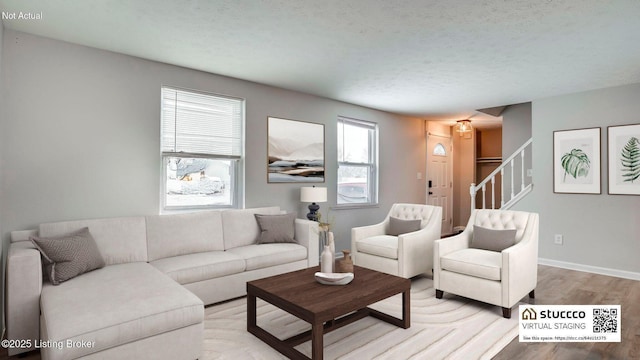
147,302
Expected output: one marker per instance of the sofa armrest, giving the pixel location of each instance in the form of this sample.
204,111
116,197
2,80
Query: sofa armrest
415,249
362,232
307,235
453,243
23,288
446,246
520,265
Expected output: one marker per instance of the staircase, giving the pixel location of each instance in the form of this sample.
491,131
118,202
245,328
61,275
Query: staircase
506,170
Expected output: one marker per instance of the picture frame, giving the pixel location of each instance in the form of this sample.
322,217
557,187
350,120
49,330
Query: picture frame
577,161
295,151
624,159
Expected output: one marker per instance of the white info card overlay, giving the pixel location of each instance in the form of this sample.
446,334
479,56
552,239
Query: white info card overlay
569,323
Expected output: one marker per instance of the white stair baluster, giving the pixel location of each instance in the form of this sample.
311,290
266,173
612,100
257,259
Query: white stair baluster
501,187
472,192
512,187
484,196
493,192
522,171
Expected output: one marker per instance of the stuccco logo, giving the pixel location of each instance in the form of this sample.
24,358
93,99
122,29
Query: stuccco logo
563,314
532,314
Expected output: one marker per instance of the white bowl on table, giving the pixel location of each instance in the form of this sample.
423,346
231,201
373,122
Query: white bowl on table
333,278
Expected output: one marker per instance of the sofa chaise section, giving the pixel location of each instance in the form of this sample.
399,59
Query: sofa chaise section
101,311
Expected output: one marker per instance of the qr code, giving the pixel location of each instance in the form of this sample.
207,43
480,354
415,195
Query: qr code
605,320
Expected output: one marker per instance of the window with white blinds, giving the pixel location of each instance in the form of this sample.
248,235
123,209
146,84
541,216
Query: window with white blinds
202,149
201,124
357,162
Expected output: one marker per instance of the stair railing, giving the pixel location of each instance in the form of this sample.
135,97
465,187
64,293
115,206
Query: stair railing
514,197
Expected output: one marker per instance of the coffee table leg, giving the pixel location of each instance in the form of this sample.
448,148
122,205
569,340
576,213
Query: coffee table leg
317,332
251,312
406,309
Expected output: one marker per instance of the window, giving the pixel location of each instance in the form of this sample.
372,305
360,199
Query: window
439,150
202,149
357,162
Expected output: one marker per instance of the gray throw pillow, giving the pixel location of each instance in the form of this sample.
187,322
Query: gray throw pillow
276,228
67,256
493,240
400,226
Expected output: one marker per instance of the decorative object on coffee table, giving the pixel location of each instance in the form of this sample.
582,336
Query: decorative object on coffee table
345,265
334,278
326,260
326,238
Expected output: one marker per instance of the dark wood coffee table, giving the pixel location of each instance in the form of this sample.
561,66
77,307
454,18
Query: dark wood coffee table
325,307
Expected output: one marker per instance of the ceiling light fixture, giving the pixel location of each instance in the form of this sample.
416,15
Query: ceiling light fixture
463,126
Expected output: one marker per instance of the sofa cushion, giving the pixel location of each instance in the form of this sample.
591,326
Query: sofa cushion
493,240
380,245
120,240
180,234
240,227
401,226
115,305
474,262
70,255
266,255
276,228
186,269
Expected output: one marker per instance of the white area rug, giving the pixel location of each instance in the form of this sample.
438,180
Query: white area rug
450,328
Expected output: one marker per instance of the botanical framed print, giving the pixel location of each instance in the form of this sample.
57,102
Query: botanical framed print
295,151
576,161
624,159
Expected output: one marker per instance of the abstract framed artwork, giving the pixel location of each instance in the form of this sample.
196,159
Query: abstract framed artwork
295,151
624,159
576,161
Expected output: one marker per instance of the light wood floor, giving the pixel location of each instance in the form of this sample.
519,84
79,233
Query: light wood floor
564,287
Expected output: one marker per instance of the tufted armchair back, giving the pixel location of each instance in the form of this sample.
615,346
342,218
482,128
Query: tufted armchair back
412,212
502,220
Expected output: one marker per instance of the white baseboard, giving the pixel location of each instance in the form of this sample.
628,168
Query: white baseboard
590,269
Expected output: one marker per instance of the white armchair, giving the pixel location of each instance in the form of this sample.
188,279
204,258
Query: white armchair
378,247
500,278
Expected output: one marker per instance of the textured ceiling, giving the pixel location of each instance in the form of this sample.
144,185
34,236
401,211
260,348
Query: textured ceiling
433,59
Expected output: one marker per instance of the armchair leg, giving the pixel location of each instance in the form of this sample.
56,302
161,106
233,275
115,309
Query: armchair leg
532,294
506,313
439,294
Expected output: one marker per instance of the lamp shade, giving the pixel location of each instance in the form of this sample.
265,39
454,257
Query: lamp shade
463,126
313,194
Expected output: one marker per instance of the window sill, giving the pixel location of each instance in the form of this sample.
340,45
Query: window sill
354,206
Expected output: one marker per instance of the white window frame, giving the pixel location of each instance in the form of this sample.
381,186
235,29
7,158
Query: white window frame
371,164
174,144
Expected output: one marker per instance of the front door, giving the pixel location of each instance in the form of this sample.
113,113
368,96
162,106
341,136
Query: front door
439,182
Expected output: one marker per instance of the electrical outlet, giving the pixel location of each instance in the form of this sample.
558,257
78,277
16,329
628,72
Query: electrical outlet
529,172
557,239
419,176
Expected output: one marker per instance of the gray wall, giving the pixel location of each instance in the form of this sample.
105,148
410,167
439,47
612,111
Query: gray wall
516,127
599,230
81,132
516,130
